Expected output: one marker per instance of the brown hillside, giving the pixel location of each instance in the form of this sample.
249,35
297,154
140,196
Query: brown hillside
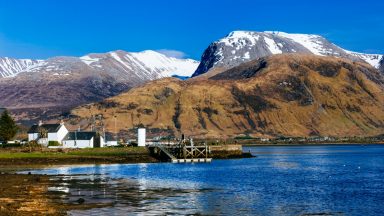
290,95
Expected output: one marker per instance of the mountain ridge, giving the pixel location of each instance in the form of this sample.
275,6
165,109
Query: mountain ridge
147,60
49,88
242,46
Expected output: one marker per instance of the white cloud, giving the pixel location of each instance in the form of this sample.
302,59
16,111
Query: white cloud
173,53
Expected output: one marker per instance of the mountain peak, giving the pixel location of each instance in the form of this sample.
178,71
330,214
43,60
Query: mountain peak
243,46
240,33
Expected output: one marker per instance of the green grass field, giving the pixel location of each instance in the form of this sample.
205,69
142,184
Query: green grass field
73,153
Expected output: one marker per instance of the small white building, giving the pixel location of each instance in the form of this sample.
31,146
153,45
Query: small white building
83,139
111,143
141,137
54,132
110,140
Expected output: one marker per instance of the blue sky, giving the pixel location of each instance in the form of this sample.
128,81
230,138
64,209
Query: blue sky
45,28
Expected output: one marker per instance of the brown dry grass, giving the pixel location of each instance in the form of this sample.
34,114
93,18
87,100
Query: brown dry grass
339,106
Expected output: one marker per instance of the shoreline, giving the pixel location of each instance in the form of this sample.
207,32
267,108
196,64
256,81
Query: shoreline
32,194
16,159
21,158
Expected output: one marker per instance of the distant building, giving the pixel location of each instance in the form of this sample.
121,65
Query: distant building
43,133
82,139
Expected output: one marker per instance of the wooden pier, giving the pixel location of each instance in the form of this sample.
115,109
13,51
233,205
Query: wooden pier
183,152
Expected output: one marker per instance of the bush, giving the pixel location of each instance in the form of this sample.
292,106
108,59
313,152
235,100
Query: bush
246,137
13,145
53,143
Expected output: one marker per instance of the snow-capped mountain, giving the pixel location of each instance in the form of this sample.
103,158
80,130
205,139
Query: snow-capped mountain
146,65
54,86
242,46
10,67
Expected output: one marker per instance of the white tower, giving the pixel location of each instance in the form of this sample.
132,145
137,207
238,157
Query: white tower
141,137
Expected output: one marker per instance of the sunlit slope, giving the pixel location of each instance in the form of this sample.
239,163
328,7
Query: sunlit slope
289,95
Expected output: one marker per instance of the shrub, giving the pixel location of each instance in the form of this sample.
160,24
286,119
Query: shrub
53,143
10,145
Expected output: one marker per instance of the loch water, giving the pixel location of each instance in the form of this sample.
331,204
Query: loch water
280,180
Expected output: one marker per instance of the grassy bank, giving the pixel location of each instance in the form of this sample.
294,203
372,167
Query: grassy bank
23,156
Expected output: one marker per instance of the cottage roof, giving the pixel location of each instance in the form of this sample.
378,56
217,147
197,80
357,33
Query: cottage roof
109,137
51,128
80,135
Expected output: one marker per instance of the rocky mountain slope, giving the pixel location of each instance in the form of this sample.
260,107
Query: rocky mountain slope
243,46
10,67
289,95
53,86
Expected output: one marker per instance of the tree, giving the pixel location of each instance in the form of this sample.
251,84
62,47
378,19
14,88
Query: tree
8,127
43,133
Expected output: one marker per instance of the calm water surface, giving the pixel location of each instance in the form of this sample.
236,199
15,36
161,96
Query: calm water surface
295,180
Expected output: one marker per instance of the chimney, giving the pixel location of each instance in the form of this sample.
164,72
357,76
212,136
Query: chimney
40,123
61,122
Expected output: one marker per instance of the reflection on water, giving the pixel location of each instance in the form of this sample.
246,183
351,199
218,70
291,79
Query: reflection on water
311,180
122,195
285,165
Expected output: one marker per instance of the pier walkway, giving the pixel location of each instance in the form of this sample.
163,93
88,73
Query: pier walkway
183,152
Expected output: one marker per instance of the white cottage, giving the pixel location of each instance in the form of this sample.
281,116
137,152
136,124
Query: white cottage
80,139
110,140
43,133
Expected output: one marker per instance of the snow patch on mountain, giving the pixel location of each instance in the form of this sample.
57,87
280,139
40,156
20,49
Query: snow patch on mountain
372,59
88,59
10,67
168,66
311,42
117,58
273,47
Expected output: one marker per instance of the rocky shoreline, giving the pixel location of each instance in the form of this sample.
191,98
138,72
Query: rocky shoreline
26,194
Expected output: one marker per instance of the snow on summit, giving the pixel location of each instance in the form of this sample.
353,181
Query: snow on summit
146,65
242,46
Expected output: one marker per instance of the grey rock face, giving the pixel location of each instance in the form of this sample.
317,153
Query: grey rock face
243,46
